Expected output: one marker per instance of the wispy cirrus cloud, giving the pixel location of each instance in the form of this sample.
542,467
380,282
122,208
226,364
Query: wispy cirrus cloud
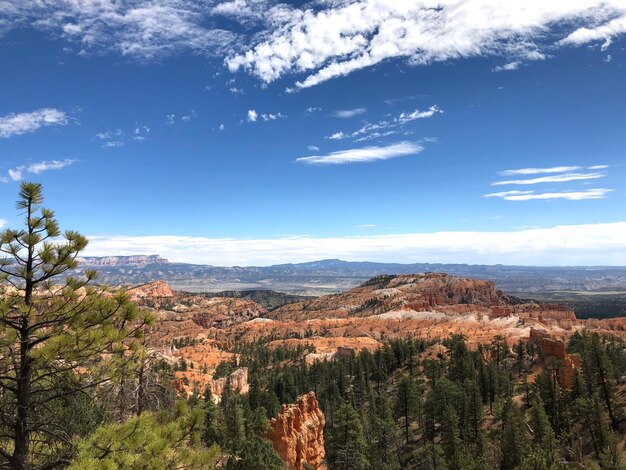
363,154
18,173
515,195
551,175
17,124
538,171
589,244
562,178
114,138
385,127
143,29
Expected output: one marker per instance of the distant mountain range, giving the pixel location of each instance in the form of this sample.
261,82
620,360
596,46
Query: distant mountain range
333,275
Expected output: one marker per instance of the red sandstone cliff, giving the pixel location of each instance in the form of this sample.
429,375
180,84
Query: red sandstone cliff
298,434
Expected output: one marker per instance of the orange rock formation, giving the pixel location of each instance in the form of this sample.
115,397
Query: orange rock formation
298,433
238,381
556,348
151,290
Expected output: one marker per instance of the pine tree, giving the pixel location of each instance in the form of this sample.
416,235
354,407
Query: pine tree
475,413
382,435
450,438
149,441
256,454
407,404
235,433
543,434
347,446
53,332
513,437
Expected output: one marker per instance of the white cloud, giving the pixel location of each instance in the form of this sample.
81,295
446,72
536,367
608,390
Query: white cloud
382,128
272,117
364,154
170,119
17,174
112,144
569,195
591,244
348,113
188,117
141,133
508,67
312,109
417,114
338,38
108,135
538,171
562,178
338,136
222,127
610,21
2,223
40,167
252,115
248,11
16,124
144,29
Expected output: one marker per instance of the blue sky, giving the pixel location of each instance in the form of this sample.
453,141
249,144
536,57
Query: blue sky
259,132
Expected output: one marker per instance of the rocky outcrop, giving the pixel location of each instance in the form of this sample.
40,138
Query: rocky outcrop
555,348
151,290
298,433
430,292
238,382
221,312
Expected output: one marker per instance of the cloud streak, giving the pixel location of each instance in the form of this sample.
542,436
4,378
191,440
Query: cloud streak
17,124
364,154
18,173
539,171
591,244
563,178
598,193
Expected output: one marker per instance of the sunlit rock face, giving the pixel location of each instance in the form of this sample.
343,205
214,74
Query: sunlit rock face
298,433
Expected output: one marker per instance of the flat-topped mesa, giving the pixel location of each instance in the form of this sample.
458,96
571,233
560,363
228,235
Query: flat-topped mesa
427,292
298,433
154,289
